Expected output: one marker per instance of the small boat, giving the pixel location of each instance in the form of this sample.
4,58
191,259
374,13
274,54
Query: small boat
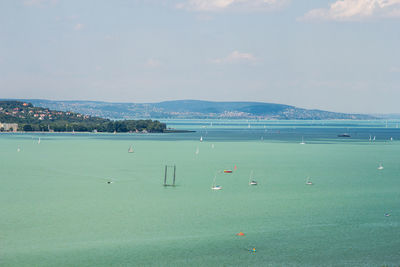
214,186
18,149
197,151
374,138
302,141
344,135
391,138
38,141
308,182
201,138
251,181
130,150
212,146
380,166
387,214
227,171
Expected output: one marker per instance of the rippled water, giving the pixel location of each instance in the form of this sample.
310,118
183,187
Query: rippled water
57,209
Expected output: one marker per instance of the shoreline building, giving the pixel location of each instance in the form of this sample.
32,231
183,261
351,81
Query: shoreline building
13,127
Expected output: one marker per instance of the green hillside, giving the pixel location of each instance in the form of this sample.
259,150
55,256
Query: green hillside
31,118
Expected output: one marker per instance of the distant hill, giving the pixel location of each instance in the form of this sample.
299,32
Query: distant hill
191,109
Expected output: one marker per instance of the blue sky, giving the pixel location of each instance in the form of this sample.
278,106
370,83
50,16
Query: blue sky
327,54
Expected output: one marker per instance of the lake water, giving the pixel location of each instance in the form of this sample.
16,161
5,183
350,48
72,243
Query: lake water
57,209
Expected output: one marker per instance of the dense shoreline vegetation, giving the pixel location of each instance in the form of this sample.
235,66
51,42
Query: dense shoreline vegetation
30,118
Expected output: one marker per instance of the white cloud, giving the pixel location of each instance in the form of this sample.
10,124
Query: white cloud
235,56
78,26
395,69
220,5
355,10
153,63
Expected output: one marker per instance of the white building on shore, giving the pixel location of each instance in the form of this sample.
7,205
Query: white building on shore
9,127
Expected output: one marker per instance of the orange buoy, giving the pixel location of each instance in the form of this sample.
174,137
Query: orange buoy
240,234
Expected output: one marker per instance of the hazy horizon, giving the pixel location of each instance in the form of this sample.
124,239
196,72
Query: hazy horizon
339,56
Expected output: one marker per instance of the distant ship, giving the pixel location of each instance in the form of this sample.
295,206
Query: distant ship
344,135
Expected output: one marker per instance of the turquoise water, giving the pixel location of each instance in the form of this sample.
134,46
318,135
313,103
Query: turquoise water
57,209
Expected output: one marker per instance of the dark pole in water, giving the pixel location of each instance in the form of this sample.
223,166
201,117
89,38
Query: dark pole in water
165,175
173,183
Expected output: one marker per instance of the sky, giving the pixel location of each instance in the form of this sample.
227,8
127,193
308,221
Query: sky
337,55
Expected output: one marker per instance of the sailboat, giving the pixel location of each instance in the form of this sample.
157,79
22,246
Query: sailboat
18,149
214,186
370,138
197,151
308,182
38,141
201,138
130,150
374,138
380,166
251,181
302,141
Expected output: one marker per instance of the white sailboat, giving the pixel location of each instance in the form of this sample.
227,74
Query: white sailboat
18,149
251,179
370,138
302,141
197,151
308,182
130,150
201,138
214,186
380,166
374,138
38,141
